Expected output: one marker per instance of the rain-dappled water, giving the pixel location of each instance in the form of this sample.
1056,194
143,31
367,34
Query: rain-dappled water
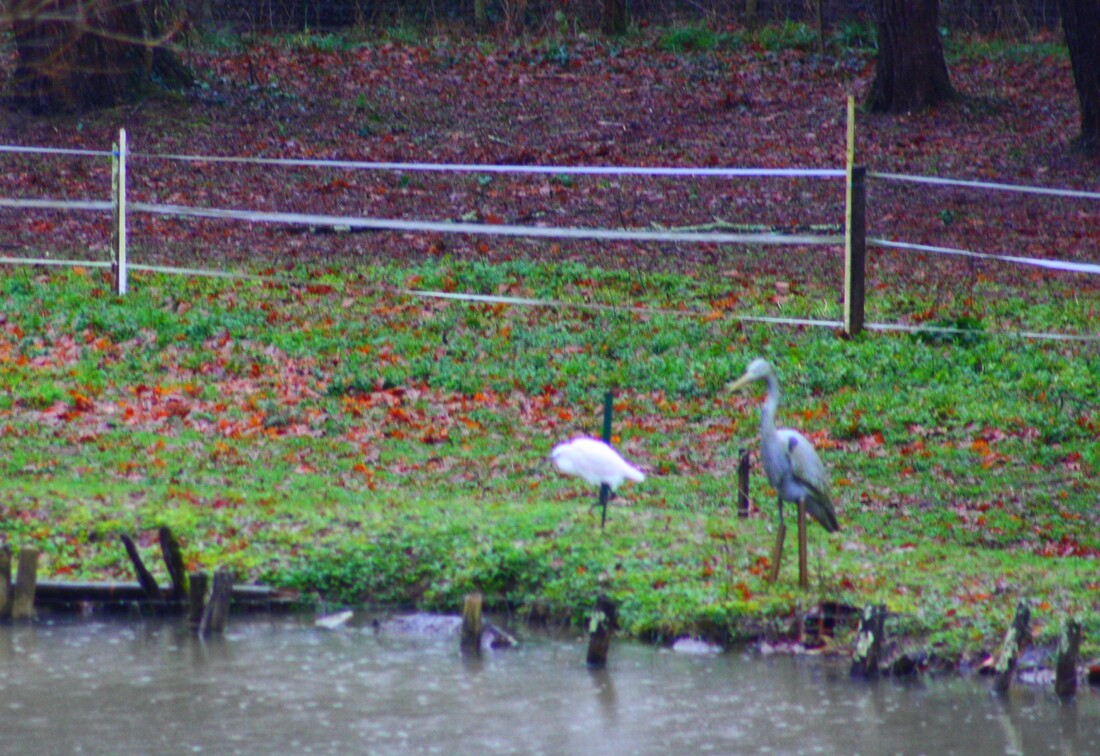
283,686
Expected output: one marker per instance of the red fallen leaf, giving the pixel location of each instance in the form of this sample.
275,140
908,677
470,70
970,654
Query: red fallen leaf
319,289
81,403
494,220
743,590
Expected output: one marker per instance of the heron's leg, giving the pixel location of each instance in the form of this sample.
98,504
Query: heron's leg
803,576
777,549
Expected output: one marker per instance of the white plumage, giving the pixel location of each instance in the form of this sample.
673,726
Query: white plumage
595,462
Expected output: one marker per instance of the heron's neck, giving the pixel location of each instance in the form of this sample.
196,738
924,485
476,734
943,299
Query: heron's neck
771,404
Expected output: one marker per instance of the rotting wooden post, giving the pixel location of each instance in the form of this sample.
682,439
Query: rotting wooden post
22,605
173,561
1065,666
803,567
470,643
196,599
5,581
118,219
855,232
604,622
216,614
605,490
1015,640
742,483
148,582
867,657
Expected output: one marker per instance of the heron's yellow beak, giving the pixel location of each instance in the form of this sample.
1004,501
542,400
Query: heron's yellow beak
741,382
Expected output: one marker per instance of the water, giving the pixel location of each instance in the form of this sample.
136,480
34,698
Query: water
283,686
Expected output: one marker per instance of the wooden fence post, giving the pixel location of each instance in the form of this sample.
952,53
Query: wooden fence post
118,220
855,233
742,483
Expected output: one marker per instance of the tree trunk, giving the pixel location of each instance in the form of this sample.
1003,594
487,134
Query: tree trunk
74,54
1081,22
910,70
613,18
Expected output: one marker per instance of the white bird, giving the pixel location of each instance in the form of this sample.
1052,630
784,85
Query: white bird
596,462
791,465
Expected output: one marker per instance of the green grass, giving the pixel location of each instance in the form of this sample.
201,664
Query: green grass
369,446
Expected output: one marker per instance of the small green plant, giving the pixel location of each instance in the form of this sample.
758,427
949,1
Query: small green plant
790,35
856,36
681,39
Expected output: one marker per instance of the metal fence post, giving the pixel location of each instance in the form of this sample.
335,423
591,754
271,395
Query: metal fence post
118,220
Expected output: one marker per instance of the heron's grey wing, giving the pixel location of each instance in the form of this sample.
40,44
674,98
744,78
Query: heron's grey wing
805,464
806,468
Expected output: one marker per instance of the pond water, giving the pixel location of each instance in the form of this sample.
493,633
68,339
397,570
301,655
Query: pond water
281,685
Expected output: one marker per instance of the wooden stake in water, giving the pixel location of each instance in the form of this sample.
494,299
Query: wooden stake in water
197,583
603,623
869,643
470,643
216,615
1015,640
5,581
1065,666
22,607
145,578
173,560
605,490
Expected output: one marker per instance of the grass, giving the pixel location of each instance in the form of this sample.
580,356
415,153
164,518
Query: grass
365,445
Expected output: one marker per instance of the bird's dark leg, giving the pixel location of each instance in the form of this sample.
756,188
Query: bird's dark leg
777,550
605,495
803,572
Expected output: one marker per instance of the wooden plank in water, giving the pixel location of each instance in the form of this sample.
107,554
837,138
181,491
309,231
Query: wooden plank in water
56,593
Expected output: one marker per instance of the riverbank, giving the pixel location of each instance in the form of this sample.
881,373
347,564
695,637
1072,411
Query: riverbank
363,445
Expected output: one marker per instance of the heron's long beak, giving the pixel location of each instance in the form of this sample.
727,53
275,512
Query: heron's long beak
739,383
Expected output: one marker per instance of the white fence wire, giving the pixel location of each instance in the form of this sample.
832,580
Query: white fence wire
671,236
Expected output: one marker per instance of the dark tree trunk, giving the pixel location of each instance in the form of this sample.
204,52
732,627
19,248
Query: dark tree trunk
910,70
1081,22
613,18
75,54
